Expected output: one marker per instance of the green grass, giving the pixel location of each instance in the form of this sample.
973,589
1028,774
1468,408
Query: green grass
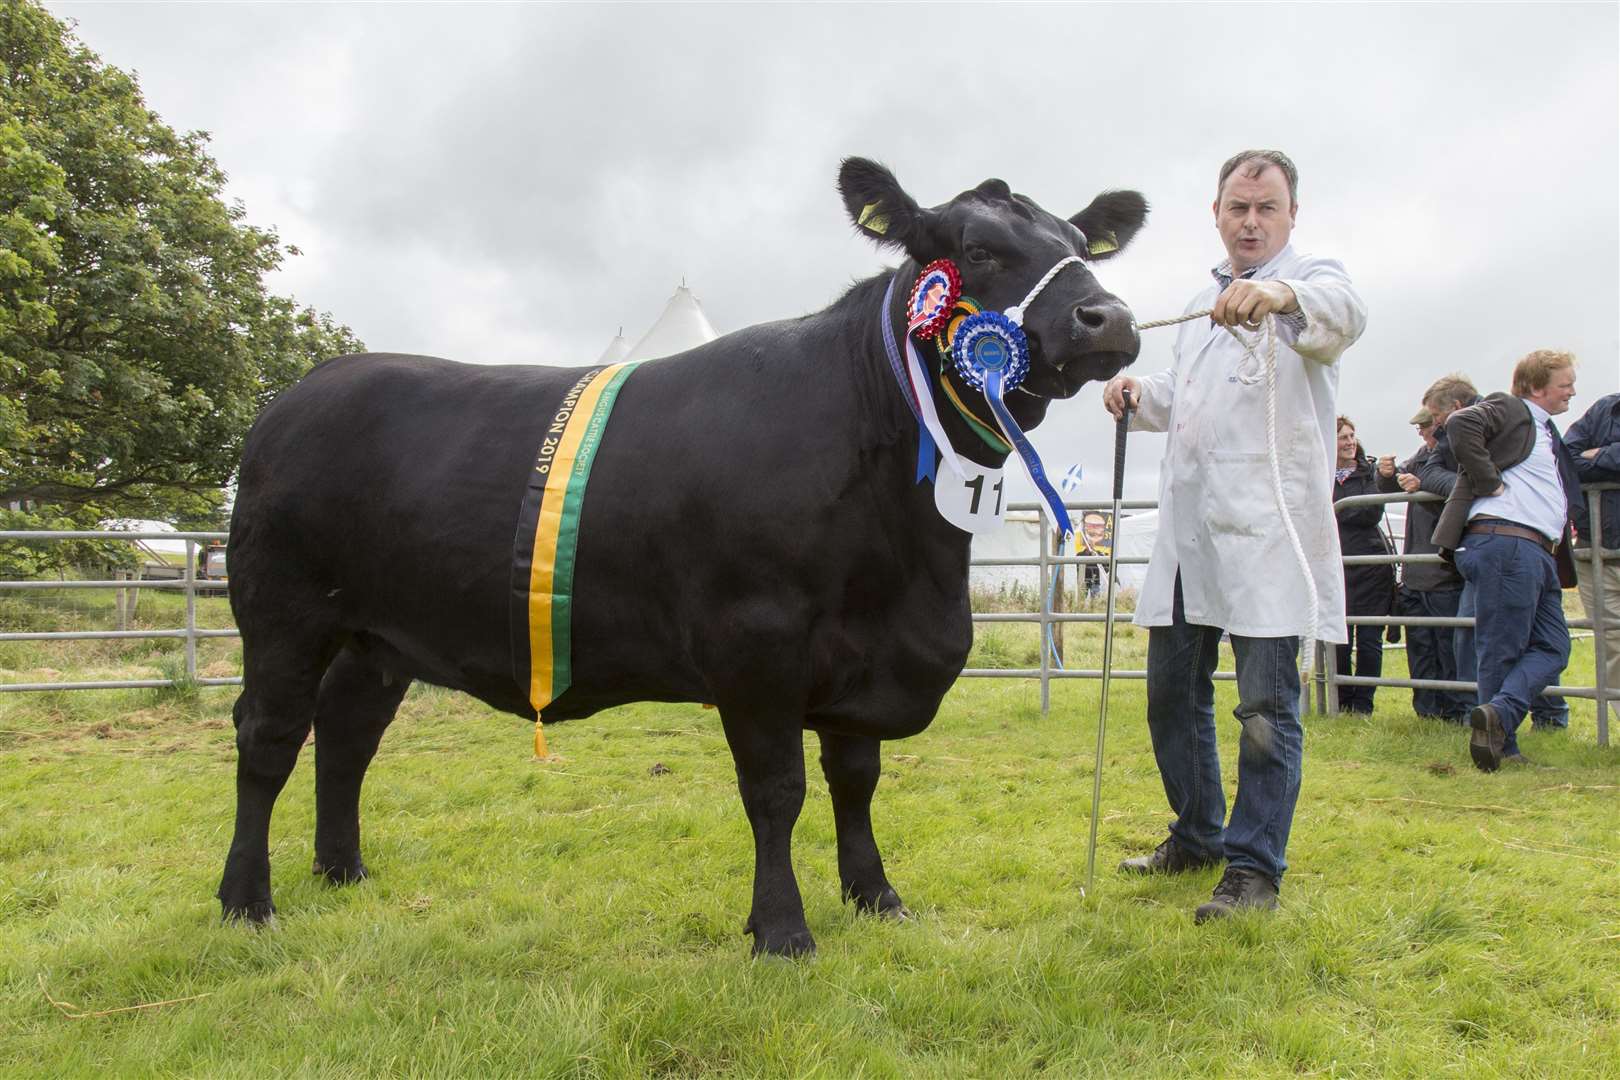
583,918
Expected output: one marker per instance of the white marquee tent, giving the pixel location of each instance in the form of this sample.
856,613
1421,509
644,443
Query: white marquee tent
616,350
682,326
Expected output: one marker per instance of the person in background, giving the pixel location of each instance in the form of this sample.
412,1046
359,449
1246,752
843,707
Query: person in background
1094,535
1368,590
1427,590
1594,442
1438,474
1506,525
1222,559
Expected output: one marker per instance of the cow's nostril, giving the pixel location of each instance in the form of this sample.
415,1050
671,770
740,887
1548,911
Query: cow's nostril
1090,317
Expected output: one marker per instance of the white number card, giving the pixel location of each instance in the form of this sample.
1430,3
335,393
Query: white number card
974,502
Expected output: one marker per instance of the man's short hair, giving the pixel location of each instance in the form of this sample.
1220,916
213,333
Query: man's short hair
1450,391
1258,160
1535,371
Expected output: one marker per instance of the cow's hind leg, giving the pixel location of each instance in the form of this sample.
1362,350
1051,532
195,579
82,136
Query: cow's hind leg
356,704
273,715
769,752
851,764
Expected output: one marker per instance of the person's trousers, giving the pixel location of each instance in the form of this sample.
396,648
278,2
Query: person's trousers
1367,645
1521,642
1611,611
1545,712
1181,720
1431,652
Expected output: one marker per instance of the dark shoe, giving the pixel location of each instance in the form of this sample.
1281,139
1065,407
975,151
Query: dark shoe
1520,760
1239,888
1486,740
1168,858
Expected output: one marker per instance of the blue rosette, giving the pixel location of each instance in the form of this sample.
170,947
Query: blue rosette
992,356
990,342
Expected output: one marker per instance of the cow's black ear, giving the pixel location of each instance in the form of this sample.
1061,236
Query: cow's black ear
879,206
1111,221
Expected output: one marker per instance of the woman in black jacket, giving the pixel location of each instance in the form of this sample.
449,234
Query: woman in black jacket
1367,589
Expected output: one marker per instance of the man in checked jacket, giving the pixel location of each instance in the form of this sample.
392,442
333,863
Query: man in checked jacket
1506,526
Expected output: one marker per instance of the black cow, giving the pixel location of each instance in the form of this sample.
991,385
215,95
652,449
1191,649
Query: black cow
754,537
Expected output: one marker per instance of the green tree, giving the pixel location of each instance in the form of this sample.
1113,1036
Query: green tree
137,337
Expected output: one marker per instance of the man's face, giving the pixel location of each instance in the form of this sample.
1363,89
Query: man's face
1440,410
1554,397
1426,433
1254,215
1095,528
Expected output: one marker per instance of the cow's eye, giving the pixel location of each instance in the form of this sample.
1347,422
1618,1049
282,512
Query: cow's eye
979,256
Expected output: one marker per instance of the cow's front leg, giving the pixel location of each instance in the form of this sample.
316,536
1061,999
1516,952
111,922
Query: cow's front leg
851,764
769,752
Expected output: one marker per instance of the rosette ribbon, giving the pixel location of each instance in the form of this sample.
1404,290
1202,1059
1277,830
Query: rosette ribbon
991,354
927,308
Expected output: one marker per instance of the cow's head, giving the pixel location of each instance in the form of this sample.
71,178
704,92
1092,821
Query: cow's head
1003,244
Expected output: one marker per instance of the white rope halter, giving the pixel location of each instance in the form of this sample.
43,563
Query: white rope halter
1016,313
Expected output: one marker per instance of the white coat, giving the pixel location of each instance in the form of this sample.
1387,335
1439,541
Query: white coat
1219,522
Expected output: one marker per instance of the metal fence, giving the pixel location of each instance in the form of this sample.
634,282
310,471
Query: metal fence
1324,688
190,633
1327,681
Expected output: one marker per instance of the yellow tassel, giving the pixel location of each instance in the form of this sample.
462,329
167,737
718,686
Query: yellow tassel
540,750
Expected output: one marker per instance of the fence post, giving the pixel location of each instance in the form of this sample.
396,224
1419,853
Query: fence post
191,610
120,599
1598,615
1046,614
1330,669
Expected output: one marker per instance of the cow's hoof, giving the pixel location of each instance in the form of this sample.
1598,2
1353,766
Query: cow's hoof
256,913
786,943
886,905
789,946
341,872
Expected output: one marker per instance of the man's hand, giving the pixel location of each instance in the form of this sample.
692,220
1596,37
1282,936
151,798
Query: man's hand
1248,302
1592,453
1407,481
1386,465
1114,394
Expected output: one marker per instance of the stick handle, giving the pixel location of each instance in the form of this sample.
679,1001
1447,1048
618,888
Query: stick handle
1120,429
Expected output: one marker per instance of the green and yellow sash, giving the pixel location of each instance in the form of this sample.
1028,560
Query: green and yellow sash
548,536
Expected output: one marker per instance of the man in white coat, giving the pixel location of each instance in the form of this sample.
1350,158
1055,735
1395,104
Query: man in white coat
1247,541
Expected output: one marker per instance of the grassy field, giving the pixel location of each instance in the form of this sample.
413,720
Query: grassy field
583,917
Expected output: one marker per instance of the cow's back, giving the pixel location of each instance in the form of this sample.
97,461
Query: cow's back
388,485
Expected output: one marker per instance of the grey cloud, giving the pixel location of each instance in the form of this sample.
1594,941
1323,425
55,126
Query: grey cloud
506,183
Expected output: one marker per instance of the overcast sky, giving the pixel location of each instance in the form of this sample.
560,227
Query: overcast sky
513,183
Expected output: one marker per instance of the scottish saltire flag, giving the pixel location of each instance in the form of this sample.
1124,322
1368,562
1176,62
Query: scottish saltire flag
1071,479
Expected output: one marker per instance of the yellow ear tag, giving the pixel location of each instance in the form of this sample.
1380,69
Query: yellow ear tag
1102,245
873,221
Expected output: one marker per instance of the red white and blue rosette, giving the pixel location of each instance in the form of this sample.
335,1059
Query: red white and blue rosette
936,291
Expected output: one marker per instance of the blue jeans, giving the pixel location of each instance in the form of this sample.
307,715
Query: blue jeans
1431,653
1181,719
1520,639
1545,712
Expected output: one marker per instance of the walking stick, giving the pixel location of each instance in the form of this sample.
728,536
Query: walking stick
1108,638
